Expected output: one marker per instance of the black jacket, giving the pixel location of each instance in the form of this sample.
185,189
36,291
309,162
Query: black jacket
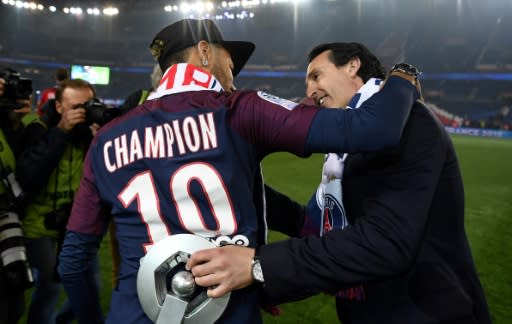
45,144
406,243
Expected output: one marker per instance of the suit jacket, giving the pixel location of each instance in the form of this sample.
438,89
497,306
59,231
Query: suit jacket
406,243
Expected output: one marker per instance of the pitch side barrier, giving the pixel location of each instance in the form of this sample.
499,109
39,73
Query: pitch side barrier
479,132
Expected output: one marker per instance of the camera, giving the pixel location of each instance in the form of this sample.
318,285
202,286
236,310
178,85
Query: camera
15,88
14,268
97,112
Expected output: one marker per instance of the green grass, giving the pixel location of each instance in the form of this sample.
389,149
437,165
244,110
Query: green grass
487,171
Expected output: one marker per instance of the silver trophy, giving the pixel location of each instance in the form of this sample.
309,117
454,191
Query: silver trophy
167,292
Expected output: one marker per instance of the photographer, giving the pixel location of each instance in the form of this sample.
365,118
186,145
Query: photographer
50,168
15,274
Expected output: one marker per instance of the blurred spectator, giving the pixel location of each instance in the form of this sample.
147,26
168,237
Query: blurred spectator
50,169
61,74
13,278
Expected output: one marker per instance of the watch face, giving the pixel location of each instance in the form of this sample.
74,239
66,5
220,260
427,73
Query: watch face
257,273
406,68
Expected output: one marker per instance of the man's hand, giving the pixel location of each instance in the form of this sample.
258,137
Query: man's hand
25,107
70,118
409,78
222,269
94,128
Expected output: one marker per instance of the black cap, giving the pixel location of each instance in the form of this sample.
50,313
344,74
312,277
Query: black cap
188,32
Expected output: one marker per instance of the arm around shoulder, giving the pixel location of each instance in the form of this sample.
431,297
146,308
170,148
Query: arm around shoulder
376,125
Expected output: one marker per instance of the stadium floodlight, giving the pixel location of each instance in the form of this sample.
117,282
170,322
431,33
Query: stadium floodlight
110,11
185,7
189,8
76,11
93,11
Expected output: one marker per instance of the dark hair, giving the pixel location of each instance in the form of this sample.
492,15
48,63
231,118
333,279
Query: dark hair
182,56
61,74
75,84
175,58
341,53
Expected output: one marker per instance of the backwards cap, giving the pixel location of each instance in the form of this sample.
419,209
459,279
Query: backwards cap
188,32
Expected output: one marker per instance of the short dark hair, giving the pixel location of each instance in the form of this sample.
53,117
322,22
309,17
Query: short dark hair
75,84
341,53
175,58
182,56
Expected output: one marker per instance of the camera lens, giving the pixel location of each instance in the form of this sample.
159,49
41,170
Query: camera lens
14,266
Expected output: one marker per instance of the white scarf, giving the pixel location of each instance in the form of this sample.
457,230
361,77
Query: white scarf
185,77
363,94
334,163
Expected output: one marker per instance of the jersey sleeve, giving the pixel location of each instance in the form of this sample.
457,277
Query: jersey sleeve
271,123
275,124
87,214
76,272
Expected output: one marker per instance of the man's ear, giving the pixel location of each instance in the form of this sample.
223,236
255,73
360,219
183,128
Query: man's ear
204,52
353,66
58,107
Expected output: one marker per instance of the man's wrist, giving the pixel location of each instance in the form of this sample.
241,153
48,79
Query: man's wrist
405,76
256,270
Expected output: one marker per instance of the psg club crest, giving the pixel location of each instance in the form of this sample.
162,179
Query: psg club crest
333,214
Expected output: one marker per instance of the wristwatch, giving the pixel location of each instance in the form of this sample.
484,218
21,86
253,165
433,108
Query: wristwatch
257,273
407,69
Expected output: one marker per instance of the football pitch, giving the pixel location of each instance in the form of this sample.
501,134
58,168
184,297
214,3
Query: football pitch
487,172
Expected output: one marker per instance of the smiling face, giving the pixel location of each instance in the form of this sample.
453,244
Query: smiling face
329,85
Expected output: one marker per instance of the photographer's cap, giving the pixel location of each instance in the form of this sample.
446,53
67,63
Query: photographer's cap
188,32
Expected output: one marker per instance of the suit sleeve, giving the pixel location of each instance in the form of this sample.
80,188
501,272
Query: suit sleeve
274,124
376,125
283,214
384,239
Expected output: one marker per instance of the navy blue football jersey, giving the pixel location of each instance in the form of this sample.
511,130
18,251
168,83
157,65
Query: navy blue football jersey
173,167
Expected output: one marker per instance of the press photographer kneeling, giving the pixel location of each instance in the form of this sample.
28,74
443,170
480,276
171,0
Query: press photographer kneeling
50,168
15,273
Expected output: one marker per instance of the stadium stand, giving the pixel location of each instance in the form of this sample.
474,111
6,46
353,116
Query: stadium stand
467,37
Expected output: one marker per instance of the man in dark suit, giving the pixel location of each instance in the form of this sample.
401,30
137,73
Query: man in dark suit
405,252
